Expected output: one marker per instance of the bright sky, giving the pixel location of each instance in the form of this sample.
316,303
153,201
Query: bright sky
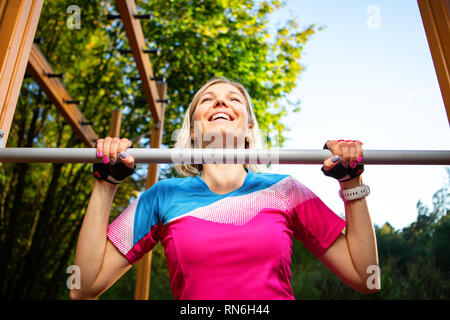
373,80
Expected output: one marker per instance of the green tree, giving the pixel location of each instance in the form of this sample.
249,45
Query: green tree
42,205
414,261
439,243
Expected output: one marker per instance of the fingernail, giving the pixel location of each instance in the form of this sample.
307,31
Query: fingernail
353,164
335,159
105,159
346,164
112,161
123,155
359,158
99,154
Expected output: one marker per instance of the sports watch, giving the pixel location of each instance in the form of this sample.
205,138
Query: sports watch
355,193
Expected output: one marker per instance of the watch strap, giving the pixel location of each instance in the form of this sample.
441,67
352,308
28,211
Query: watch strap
355,193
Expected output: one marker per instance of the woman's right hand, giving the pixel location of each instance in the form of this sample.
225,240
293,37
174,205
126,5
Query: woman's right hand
111,150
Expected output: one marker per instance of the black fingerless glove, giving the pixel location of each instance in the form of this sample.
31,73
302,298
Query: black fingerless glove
115,173
112,173
342,174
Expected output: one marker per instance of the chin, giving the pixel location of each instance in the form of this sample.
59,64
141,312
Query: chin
224,137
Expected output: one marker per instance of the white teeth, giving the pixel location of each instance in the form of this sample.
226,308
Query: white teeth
221,115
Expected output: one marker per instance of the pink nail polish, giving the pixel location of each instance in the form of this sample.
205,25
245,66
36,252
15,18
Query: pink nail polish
353,164
99,154
105,159
359,158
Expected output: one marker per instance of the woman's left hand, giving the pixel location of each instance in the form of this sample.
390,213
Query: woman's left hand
347,160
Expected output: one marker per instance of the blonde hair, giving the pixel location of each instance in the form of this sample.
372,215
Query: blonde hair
184,141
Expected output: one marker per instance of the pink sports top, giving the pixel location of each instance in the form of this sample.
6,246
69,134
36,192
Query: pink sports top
234,246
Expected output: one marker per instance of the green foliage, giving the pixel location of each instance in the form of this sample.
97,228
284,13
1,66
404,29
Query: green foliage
42,205
225,38
312,280
123,289
160,282
440,241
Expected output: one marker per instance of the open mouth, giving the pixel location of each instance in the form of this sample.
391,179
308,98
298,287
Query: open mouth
220,116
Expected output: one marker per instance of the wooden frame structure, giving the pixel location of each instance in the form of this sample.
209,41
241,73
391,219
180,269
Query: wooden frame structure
436,21
18,24
127,10
41,71
152,90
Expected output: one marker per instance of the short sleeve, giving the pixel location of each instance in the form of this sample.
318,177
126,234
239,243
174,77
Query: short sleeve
314,224
137,229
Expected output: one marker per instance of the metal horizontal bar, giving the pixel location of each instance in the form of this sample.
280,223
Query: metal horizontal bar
241,156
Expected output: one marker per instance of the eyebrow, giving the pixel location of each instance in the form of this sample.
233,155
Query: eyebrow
231,91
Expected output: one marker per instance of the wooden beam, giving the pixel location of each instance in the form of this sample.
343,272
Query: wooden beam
436,20
116,119
142,290
127,9
39,68
18,23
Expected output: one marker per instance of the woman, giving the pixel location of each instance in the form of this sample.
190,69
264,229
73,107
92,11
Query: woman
226,228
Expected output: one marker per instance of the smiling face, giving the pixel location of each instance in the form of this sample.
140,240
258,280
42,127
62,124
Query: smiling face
221,117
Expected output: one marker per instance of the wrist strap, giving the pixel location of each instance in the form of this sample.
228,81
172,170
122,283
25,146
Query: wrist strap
355,193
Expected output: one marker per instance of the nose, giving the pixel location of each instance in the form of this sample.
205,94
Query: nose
220,101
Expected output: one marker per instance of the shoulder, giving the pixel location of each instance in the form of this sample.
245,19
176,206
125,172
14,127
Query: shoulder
168,185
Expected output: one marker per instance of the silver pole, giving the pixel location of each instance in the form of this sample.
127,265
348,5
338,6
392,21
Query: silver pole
240,156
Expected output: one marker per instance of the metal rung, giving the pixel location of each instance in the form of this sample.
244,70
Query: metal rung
241,156
112,16
39,40
86,123
147,16
79,102
56,75
156,51
158,79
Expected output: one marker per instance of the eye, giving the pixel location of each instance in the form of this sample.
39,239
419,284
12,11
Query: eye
235,99
206,99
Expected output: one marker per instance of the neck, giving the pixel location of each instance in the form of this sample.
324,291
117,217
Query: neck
223,178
